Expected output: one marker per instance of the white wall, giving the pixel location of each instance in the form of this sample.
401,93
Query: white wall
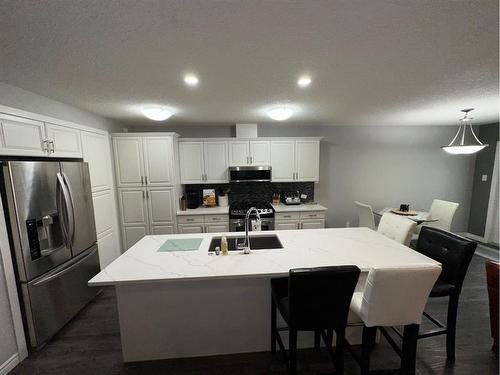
382,166
15,97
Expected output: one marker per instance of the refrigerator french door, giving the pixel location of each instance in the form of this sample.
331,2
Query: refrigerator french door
53,237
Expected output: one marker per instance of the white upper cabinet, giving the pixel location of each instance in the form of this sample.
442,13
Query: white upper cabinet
202,162
128,161
20,136
96,152
307,160
239,153
216,163
260,152
191,162
295,160
245,152
63,141
158,156
283,160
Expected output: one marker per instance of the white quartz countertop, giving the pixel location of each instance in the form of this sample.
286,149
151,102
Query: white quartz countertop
301,248
299,207
217,210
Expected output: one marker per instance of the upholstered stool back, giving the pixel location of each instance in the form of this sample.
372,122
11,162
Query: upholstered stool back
397,228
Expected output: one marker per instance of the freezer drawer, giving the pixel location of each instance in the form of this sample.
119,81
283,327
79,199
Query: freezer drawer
56,297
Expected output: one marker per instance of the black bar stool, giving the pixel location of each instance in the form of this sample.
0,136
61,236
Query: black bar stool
313,299
455,254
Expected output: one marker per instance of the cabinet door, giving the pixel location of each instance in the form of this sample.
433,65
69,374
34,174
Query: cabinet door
20,136
239,153
190,228
307,160
191,162
216,228
283,160
286,225
128,161
64,141
162,229
109,248
103,211
160,205
133,206
216,163
260,152
312,224
96,152
158,158
132,235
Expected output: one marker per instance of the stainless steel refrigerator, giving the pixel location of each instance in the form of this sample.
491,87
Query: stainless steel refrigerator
51,226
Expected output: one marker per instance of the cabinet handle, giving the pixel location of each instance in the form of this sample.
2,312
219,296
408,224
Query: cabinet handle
51,147
142,180
189,219
145,180
251,159
143,195
287,216
312,215
45,145
147,194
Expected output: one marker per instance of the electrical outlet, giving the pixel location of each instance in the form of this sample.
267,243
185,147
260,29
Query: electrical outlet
484,177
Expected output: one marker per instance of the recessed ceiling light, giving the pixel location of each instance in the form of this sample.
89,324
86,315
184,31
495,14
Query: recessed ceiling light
191,80
304,81
157,113
280,113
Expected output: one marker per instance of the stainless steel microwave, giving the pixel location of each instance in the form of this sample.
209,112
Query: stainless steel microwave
255,173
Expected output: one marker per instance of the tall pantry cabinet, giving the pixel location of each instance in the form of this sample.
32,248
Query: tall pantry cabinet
146,178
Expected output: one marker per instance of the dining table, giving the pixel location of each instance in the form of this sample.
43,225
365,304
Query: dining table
419,217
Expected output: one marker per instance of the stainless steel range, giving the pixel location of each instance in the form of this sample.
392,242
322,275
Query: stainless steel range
237,212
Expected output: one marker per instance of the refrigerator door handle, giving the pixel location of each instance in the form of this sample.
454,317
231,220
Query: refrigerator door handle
61,208
71,217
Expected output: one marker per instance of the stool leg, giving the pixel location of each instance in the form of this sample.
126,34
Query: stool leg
451,326
273,326
339,351
317,338
369,334
409,355
292,349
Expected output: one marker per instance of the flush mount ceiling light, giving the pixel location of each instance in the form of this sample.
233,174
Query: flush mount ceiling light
465,141
280,113
157,113
304,81
191,80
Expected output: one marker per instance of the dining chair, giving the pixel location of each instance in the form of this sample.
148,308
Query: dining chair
393,296
444,211
397,228
365,215
455,254
313,299
492,273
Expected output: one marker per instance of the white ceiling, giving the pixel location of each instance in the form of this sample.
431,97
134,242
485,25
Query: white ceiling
372,62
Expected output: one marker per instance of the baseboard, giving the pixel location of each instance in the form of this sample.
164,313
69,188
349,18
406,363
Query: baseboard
9,364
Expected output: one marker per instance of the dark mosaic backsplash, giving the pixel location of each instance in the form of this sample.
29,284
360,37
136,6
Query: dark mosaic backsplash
250,191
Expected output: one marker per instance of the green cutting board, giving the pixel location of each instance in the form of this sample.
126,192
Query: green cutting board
182,244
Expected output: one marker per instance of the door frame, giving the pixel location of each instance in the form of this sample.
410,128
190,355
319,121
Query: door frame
491,201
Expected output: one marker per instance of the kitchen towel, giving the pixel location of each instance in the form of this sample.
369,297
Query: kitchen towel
181,244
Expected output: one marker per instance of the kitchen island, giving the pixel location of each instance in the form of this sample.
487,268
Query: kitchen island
192,303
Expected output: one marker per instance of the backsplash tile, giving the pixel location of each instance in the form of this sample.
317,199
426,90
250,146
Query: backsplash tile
250,191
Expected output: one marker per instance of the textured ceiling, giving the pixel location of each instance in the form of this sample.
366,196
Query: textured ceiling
372,62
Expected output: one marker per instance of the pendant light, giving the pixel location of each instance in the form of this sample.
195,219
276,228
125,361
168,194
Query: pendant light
465,141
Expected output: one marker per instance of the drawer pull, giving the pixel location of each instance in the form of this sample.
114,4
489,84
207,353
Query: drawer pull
189,219
313,215
287,216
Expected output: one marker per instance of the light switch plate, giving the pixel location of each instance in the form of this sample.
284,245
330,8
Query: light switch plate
484,177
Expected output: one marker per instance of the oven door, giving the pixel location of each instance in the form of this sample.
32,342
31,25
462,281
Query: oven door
238,225
252,173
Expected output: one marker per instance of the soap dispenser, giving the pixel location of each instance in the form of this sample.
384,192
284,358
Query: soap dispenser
223,245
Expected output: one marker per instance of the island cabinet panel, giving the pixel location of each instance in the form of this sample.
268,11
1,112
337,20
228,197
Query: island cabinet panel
21,136
129,162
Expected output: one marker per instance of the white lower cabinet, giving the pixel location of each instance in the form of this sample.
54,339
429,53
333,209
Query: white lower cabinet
145,211
109,249
300,220
202,223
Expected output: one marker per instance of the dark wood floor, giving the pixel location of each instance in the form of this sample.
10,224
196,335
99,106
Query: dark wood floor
90,344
